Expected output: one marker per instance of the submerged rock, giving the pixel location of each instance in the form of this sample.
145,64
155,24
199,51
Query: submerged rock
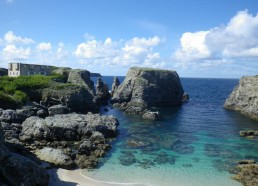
247,173
248,134
244,98
146,87
151,115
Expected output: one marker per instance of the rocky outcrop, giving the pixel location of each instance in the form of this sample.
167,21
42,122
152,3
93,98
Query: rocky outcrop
76,98
115,85
146,87
69,140
18,170
67,127
247,172
244,98
102,91
81,77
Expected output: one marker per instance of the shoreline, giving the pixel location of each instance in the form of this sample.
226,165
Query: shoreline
63,177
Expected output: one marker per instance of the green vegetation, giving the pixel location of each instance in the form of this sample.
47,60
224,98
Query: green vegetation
16,91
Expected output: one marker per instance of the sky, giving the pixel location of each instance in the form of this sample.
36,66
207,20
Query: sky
204,38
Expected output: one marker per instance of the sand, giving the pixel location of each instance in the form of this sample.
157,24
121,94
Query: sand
62,177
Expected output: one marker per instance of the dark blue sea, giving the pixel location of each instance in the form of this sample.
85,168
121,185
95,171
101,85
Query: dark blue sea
197,144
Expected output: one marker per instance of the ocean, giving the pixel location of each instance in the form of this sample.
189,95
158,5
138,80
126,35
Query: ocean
197,144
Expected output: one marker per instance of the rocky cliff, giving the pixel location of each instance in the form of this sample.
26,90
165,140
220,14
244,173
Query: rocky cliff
244,98
146,87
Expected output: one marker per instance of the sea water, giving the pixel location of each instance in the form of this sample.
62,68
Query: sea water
197,144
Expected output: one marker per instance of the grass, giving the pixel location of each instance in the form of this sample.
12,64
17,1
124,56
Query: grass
14,91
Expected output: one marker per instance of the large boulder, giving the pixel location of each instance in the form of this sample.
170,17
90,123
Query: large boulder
81,77
18,170
75,97
67,127
57,157
244,98
58,109
146,87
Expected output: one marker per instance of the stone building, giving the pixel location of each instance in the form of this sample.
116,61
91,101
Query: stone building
22,69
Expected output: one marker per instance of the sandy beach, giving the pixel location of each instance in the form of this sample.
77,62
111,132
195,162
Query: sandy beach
62,177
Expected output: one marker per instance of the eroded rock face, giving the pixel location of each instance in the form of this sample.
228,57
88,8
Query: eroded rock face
102,91
19,170
244,98
81,77
145,87
115,85
67,127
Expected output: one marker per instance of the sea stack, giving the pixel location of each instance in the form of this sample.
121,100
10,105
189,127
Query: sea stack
244,98
144,88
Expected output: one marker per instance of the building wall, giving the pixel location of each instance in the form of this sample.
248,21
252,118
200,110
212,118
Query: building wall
20,69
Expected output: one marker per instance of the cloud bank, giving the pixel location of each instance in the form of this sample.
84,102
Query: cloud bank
233,43
227,50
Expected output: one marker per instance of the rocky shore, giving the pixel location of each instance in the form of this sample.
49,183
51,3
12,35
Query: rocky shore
244,98
59,124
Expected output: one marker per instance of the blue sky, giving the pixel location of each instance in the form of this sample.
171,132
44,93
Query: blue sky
196,38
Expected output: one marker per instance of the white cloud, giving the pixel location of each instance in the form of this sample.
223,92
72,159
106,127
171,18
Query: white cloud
238,38
11,38
11,52
44,46
137,51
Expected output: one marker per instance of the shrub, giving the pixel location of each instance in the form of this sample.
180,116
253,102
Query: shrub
20,97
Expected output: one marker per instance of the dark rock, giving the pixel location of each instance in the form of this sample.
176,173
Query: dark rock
127,159
115,85
242,162
249,133
102,91
58,109
145,87
88,162
244,97
185,97
86,147
151,115
18,170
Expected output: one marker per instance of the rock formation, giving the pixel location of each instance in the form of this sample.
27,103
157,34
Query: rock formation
146,87
69,140
102,91
244,98
247,172
115,85
18,170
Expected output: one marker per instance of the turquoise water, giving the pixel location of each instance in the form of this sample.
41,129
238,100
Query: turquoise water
197,144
